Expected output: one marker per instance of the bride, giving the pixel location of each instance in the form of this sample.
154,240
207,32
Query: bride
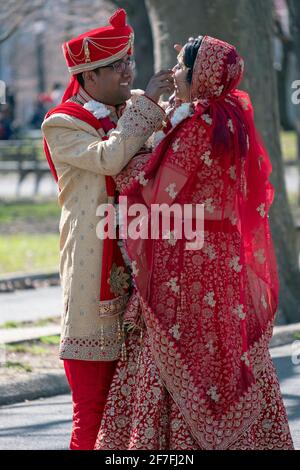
197,373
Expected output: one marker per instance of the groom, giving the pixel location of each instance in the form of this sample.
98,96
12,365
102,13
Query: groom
89,138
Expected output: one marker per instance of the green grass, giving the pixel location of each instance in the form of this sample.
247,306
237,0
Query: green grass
26,348
297,335
19,365
9,324
28,252
50,339
10,211
293,199
44,321
24,324
288,145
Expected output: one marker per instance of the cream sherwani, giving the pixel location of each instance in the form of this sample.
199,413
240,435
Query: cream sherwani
82,159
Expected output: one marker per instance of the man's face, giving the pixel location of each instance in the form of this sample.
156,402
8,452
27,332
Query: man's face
113,83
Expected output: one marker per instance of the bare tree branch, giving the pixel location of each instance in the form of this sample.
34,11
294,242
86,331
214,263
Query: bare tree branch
11,22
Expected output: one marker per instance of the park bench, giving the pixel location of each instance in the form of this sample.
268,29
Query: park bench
23,156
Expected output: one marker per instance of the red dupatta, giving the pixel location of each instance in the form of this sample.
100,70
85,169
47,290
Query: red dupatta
209,313
111,250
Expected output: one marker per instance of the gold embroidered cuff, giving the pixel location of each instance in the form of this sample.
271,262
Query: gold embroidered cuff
141,117
106,342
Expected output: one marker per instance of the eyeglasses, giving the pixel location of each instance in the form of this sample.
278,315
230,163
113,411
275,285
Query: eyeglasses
122,65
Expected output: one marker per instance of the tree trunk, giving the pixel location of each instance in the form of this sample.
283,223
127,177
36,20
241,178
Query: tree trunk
249,26
294,6
143,44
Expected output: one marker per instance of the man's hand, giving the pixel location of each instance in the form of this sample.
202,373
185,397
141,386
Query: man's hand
178,47
162,82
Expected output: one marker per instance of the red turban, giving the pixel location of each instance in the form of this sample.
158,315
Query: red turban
97,48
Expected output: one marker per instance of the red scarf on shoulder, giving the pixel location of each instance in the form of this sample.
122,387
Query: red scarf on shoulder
111,251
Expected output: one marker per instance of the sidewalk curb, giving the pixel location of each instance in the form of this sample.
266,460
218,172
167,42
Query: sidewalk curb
38,386
22,281
51,384
19,335
285,334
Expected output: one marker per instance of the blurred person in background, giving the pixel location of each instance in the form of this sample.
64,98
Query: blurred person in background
6,127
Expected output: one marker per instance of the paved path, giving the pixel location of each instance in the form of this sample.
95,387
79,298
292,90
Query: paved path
36,425
46,424
31,304
48,187
9,183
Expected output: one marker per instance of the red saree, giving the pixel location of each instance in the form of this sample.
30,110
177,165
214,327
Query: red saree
201,376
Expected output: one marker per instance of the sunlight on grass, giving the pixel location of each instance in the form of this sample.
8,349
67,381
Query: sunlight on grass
50,339
288,145
28,253
26,348
19,365
9,212
29,324
293,199
9,324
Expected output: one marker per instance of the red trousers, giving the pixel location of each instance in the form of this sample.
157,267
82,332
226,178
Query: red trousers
89,382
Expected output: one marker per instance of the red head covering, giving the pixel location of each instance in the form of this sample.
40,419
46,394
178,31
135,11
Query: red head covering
97,48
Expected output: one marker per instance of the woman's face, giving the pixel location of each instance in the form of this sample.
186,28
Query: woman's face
182,87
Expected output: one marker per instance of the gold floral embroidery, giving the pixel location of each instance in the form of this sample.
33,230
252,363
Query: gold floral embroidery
171,190
141,178
209,298
263,301
260,255
175,331
210,346
245,358
172,283
206,118
205,158
230,126
235,69
245,103
239,310
118,280
234,264
261,210
233,218
135,270
219,90
141,117
104,345
232,173
208,205
209,251
207,82
260,160
170,236
175,145
212,392
108,308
